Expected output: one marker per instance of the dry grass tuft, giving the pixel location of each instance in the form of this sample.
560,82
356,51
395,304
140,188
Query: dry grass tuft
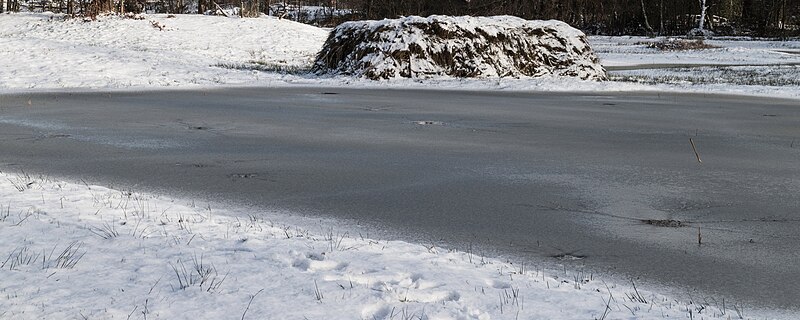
677,45
665,223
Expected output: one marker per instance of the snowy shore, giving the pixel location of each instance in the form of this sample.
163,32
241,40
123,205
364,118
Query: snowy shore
45,52
74,251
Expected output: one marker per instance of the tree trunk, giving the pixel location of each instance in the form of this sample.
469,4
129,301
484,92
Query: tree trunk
661,18
703,8
782,20
646,22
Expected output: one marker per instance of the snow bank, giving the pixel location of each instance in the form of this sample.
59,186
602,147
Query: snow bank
464,47
42,51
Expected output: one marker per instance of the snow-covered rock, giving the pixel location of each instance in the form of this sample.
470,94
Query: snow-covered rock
466,47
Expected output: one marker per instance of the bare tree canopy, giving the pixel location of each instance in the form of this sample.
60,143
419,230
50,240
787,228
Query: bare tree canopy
773,18
614,17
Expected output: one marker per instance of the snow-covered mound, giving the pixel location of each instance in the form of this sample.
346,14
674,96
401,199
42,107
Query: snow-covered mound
465,47
41,51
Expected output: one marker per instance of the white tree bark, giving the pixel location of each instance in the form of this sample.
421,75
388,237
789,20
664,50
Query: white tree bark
703,8
646,21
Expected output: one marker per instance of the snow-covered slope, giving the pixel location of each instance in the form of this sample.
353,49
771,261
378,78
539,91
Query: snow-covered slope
53,51
466,47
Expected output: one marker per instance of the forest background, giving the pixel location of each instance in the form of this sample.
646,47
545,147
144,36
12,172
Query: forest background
761,18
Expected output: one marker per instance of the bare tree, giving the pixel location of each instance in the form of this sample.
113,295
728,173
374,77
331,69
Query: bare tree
703,9
646,21
661,18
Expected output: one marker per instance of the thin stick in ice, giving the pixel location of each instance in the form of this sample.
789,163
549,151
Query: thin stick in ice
695,151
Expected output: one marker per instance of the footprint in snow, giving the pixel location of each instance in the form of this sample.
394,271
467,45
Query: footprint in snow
498,284
314,262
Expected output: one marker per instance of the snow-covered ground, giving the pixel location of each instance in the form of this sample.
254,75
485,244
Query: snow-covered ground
46,52
78,251
768,68
626,51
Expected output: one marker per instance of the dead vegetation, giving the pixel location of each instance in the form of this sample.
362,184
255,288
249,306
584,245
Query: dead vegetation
677,45
668,223
415,47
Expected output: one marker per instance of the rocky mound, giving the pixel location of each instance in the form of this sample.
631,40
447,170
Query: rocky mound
466,47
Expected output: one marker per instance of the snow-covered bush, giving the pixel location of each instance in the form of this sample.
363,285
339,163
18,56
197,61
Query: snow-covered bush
700,33
501,46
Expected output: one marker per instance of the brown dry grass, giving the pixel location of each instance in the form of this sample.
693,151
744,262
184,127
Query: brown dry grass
665,223
677,45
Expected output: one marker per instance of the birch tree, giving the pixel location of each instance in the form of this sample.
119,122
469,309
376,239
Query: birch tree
646,21
703,9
